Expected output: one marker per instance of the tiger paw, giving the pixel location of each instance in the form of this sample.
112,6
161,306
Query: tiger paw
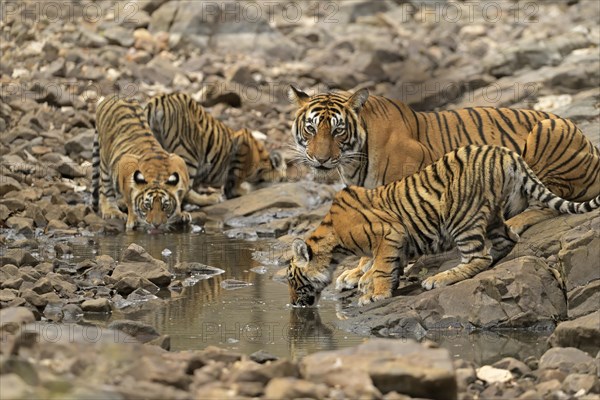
186,218
113,213
435,281
348,279
365,283
371,298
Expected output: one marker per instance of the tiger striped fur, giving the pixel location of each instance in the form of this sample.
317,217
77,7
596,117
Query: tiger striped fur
373,140
215,155
131,166
460,200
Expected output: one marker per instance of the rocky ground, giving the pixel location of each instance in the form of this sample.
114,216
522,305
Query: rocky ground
237,58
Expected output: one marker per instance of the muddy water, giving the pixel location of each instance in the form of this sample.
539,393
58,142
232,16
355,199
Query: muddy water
255,317
245,319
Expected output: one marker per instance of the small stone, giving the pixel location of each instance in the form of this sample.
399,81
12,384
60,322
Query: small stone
20,225
42,286
493,375
18,257
13,317
8,184
96,305
262,357
574,383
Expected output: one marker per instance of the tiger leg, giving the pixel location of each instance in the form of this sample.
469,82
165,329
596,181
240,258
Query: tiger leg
388,264
475,258
202,200
533,215
349,278
503,241
107,202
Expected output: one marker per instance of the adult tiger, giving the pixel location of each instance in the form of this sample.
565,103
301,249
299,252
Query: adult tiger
460,200
130,165
373,140
215,154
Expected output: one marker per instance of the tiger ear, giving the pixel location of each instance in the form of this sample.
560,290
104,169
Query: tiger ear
301,250
297,96
277,161
358,100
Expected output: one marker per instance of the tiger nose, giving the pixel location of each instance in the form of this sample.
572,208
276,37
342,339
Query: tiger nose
322,159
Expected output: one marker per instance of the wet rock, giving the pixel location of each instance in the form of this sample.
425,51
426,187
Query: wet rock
293,388
582,333
155,273
262,357
568,359
140,331
232,284
209,355
196,268
96,305
392,366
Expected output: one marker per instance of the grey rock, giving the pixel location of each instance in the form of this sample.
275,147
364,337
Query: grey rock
18,257
584,300
262,356
155,273
569,359
582,333
403,366
79,143
96,305
8,184
129,283
579,256
20,225
140,331
119,35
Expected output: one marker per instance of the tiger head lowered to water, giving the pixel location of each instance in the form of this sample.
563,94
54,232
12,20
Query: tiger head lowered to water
131,167
460,200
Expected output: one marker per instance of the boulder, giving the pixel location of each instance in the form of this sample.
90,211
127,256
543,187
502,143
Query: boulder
582,333
568,359
403,366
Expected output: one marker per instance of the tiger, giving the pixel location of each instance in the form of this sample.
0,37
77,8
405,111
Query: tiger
131,168
458,201
372,140
215,154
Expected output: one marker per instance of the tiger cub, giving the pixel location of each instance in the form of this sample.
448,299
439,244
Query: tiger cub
459,201
215,155
131,166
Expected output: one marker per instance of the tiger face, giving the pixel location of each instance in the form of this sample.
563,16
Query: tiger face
327,129
153,188
310,271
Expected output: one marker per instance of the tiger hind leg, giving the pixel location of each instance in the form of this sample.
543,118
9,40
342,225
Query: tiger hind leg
349,278
475,258
525,220
503,241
